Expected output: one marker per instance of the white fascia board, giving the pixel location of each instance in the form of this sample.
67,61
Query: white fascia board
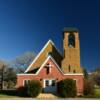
80,74
25,74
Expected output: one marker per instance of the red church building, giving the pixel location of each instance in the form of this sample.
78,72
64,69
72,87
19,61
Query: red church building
50,66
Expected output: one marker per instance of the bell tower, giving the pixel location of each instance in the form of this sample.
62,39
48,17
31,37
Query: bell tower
71,49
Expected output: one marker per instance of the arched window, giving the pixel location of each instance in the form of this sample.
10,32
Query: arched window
71,40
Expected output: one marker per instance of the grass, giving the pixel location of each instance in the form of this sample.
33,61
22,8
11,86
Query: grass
97,92
4,95
8,93
13,93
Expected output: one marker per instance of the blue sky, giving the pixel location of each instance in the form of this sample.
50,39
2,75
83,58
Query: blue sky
26,25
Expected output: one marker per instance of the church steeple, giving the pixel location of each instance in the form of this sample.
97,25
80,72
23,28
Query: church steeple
71,60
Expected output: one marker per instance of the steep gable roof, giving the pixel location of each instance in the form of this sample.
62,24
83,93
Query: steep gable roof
49,48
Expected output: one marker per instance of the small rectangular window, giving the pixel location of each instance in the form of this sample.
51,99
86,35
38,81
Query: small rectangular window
26,82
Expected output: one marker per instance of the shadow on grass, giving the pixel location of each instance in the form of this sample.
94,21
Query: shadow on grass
15,93
11,93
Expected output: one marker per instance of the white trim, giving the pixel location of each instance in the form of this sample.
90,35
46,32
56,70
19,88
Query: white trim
74,74
24,74
62,72
43,83
50,67
50,41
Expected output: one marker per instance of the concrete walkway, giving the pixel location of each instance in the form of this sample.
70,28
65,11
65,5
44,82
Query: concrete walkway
47,95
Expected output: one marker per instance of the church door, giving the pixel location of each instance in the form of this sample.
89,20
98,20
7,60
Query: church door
50,85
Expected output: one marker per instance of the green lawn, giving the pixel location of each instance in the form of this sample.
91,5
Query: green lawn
12,93
4,95
8,93
97,92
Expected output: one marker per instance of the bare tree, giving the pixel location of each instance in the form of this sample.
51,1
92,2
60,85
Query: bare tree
2,68
22,62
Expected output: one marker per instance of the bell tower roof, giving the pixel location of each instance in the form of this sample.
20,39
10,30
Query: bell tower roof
70,29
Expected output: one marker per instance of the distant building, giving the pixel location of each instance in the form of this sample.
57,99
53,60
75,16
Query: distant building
49,66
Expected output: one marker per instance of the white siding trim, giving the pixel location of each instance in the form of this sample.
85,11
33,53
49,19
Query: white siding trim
25,74
74,74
